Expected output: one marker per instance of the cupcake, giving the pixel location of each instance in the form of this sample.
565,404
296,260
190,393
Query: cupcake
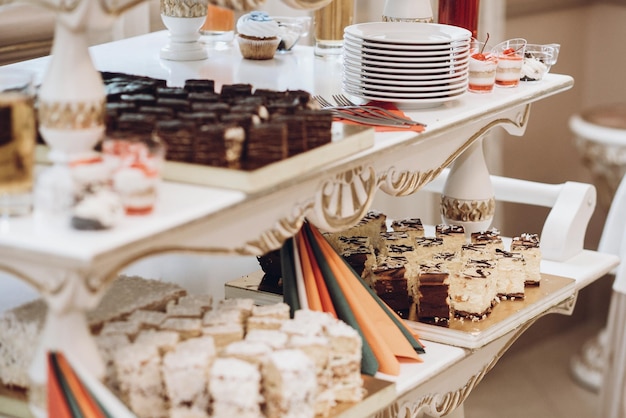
257,34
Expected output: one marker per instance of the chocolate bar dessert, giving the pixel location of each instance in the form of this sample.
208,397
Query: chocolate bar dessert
179,116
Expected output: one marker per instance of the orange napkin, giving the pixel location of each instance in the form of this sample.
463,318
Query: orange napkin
312,295
386,340
322,290
57,403
393,109
369,362
86,402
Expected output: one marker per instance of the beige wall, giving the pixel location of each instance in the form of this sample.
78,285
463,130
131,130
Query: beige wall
592,51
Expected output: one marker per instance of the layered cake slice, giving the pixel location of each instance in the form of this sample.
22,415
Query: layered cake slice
358,252
268,316
186,372
449,261
490,239
433,299
224,334
371,225
289,384
395,242
425,247
473,292
235,388
317,348
475,252
389,280
165,341
511,274
412,226
186,327
275,339
266,143
345,361
528,245
453,236
138,371
251,351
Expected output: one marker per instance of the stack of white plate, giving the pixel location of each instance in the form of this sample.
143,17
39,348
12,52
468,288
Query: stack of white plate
406,62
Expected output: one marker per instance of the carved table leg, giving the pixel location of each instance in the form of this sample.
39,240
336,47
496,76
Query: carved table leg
65,329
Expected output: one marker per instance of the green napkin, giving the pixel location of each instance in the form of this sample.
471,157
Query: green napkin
290,284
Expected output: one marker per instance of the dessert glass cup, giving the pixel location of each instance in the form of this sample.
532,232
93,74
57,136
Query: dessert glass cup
329,23
538,59
18,135
292,29
137,162
218,29
510,55
482,70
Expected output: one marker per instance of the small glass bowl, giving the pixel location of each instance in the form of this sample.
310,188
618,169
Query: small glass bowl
291,30
538,59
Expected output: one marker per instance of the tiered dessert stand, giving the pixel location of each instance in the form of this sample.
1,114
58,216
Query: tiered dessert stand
334,195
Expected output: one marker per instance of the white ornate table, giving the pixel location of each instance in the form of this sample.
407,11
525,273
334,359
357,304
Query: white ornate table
72,269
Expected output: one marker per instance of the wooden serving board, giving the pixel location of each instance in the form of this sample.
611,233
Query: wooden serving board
14,403
505,316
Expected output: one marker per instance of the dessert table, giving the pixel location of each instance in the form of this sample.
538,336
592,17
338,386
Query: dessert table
333,193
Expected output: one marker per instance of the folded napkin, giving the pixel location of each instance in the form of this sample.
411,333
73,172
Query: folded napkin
397,334
288,267
369,361
390,340
68,397
393,109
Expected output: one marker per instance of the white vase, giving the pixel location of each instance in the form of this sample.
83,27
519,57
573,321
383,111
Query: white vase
419,11
71,99
468,197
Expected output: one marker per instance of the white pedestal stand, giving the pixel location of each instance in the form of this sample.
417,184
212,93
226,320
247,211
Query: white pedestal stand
184,42
468,197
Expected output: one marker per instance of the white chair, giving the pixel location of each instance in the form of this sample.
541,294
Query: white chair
613,387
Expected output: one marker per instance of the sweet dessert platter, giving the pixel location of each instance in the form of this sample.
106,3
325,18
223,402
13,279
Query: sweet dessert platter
183,332
169,353
452,287
221,138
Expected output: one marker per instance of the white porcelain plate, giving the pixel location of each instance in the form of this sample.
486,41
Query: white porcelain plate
376,69
367,61
403,48
435,48
409,102
408,33
406,93
443,89
359,72
403,56
406,83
